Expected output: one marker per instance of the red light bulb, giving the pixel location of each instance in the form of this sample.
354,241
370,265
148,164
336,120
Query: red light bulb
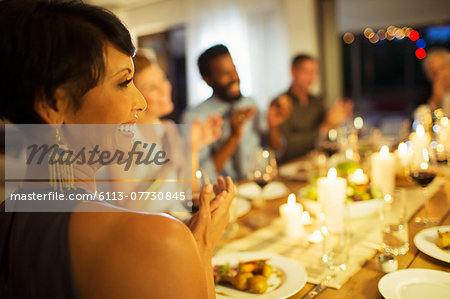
420,53
414,35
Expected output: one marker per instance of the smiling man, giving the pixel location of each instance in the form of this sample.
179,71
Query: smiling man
240,132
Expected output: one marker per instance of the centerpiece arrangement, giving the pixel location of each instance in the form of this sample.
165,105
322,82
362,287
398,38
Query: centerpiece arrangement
362,197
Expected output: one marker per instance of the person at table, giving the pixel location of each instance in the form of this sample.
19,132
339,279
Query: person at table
66,62
151,81
241,130
297,118
436,66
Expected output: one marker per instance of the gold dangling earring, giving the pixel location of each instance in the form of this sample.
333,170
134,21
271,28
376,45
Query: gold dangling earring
59,166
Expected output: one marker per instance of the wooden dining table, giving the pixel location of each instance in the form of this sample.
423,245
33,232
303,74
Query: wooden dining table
364,284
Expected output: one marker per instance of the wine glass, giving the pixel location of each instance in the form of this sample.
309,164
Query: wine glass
201,178
262,167
423,170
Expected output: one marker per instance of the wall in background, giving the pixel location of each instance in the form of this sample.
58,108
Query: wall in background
355,15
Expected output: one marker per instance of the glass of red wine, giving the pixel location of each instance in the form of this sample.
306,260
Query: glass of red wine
423,170
262,167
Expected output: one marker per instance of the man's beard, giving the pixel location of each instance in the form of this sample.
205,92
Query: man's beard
221,92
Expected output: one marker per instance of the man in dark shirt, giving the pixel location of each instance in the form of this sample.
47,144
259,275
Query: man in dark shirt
437,69
297,118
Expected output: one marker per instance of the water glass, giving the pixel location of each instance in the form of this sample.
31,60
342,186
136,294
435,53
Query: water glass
335,249
395,223
335,245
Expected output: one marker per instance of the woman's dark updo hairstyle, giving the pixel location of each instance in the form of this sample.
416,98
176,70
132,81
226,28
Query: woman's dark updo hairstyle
49,44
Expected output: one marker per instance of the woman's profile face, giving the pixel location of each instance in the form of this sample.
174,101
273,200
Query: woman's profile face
156,89
115,99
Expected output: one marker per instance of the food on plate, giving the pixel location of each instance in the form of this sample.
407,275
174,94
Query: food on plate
241,281
246,276
443,240
258,284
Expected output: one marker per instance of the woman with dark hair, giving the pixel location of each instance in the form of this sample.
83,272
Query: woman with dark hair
156,89
66,63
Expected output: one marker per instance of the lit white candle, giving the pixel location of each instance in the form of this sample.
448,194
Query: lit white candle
359,177
420,139
402,154
291,215
331,194
383,170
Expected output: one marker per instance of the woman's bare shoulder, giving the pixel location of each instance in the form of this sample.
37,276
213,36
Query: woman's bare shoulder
123,253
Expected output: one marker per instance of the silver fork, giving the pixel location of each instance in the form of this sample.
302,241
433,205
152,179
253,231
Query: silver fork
324,283
319,288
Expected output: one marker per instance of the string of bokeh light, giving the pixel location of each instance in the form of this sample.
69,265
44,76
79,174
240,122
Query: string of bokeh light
391,33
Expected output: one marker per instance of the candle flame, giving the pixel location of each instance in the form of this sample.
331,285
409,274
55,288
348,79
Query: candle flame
420,131
387,198
306,217
384,151
402,149
332,173
444,121
198,174
291,199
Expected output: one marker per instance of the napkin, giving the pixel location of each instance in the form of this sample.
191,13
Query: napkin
271,191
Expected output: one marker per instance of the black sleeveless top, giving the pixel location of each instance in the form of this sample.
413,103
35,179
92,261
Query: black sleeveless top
35,257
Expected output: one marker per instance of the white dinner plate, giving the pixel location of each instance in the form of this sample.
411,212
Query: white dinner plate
291,280
415,284
295,171
243,206
252,191
426,239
